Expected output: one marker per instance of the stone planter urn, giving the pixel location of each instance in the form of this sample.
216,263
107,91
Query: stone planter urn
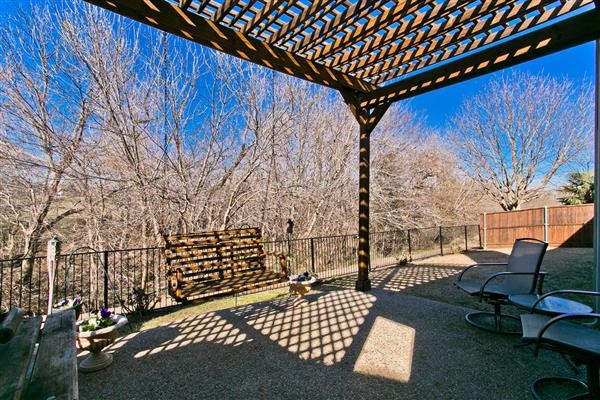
95,341
299,289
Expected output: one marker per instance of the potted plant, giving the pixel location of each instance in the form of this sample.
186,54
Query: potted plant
74,303
94,334
300,285
304,278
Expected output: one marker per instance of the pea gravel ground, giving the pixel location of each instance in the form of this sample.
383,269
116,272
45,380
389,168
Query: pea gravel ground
344,344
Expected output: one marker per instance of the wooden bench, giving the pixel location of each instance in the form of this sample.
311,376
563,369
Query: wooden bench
219,262
46,372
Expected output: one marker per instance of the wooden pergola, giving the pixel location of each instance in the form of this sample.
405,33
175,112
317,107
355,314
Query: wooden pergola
375,52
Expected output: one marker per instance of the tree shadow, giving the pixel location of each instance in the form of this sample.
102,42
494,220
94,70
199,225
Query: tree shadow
342,344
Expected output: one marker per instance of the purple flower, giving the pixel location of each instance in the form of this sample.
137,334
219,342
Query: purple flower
306,273
63,303
77,300
105,313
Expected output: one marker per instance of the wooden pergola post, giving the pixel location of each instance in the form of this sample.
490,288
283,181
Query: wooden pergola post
367,121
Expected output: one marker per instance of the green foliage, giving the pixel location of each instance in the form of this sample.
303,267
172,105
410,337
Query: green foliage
95,323
140,301
579,190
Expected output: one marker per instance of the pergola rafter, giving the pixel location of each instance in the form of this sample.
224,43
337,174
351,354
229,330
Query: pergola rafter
318,7
582,28
470,38
342,20
454,28
364,31
375,52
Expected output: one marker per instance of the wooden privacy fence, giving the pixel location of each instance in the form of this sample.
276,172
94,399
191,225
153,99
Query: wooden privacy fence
568,226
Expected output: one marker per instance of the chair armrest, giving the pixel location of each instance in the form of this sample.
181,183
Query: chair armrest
282,260
479,265
563,291
557,319
503,274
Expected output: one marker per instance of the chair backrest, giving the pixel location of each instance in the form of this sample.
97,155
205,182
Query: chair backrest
526,256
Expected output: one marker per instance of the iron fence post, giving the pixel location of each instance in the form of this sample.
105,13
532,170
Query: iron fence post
466,239
441,242
105,271
312,255
409,246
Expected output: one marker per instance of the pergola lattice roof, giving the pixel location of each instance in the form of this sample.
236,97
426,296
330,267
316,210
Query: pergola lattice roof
382,50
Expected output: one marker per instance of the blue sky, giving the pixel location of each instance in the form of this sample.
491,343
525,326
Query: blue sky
439,106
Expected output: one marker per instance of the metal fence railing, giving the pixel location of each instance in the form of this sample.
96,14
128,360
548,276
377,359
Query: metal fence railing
104,277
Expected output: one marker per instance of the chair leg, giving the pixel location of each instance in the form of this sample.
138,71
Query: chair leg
495,318
593,380
592,387
537,385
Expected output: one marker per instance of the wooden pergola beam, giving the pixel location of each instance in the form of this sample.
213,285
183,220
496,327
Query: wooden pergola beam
172,19
562,35
282,9
200,7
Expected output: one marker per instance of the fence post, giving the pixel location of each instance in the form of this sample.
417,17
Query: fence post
545,223
52,252
441,242
409,247
484,231
105,271
312,255
466,239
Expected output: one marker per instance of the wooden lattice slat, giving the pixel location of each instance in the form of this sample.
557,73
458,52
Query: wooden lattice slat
361,32
412,32
258,17
457,30
305,17
357,45
407,64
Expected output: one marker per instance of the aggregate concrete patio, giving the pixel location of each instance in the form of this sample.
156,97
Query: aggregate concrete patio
344,344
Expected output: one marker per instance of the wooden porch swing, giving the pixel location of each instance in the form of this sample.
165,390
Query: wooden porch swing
206,264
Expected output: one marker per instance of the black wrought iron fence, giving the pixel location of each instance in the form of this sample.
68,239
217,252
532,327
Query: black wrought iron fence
110,277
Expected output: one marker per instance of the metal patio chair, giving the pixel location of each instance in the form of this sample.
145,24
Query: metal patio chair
521,276
580,342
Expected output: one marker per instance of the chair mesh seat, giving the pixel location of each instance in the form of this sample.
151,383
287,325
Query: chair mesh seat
473,288
575,337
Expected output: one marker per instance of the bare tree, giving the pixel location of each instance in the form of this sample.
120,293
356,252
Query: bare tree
142,145
519,131
44,115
